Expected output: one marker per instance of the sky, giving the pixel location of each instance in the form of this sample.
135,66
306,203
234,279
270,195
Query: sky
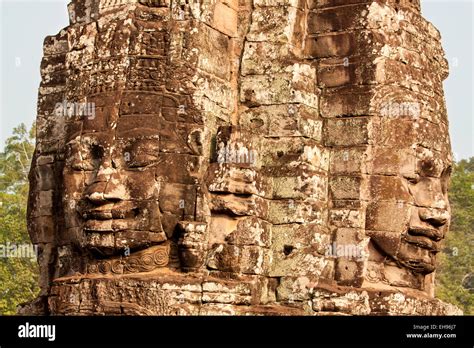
25,23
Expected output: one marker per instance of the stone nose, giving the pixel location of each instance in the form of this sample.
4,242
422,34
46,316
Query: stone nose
435,217
108,187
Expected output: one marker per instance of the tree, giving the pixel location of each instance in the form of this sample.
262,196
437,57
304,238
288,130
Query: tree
457,260
18,274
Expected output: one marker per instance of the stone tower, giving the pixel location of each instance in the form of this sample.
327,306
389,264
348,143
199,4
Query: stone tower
274,157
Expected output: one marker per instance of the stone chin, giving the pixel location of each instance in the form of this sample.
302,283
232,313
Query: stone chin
416,258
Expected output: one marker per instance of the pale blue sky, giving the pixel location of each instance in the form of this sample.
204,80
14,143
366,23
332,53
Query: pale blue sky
25,23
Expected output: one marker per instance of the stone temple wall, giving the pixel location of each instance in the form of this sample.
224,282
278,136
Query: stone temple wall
273,157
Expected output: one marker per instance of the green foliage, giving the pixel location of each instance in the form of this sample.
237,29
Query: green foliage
18,276
457,260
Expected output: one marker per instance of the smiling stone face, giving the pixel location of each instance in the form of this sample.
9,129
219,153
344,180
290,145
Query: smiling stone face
136,177
115,198
409,215
430,216
126,175
408,212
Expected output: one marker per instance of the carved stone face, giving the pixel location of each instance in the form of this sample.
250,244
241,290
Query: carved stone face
113,198
410,213
128,184
430,216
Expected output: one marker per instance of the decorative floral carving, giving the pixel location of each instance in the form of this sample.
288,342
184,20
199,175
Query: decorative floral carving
144,261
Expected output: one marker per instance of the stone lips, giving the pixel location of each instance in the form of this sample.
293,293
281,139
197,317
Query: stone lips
234,143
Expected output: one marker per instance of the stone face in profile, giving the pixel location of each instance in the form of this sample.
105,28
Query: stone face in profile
225,157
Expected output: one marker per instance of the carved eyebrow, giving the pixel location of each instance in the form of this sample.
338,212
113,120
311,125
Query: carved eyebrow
141,145
145,133
428,167
90,146
81,141
74,141
142,140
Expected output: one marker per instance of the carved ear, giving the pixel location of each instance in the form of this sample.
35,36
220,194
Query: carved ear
191,244
41,222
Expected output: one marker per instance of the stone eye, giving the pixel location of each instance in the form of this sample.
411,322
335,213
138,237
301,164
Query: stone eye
97,152
85,158
445,179
143,154
414,180
142,160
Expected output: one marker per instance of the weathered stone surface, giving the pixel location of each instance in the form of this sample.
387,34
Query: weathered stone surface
255,157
